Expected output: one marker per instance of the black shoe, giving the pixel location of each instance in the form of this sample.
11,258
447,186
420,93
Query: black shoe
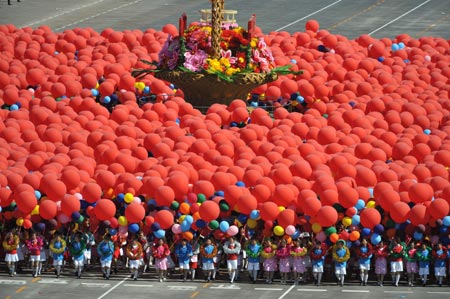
135,279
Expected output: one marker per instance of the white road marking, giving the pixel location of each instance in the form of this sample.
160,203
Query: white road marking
267,289
439,293
63,13
355,291
138,285
305,17
182,288
13,282
287,292
399,17
399,292
94,284
113,288
225,287
53,281
96,15
312,290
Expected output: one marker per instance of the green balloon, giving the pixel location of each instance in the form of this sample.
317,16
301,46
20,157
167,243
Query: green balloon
175,205
330,230
213,224
80,220
201,198
223,205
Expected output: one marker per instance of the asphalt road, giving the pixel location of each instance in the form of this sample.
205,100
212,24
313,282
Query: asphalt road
119,287
380,18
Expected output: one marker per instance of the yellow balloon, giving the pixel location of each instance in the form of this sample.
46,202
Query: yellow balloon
139,85
97,85
128,198
278,231
19,221
251,223
281,209
370,204
347,221
35,210
181,219
316,228
122,220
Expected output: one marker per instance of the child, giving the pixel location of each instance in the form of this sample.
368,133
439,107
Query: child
208,251
232,249
411,262
34,245
253,251
396,252
298,252
341,254
317,255
106,250
77,249
160,252
183,252
424,258
193,262
283,254
270,260
57,248
10,245
364,253
380,252
134,253
440,257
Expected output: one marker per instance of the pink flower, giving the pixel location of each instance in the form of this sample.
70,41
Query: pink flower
195,62
228,54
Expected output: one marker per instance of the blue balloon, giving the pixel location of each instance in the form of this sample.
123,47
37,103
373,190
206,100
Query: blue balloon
75,216
242,218
113,231
240,184
370,192
39,226
375,239
107,100
427,131
152,202
189,219
300,99
224,226
365,232
155,226
159,234
146,90
94,92
380,59
349,244
296,235
356,220
200,223
233,124
0,209
133,228
446,220
417,236
379,229
443,229
185,226
360,204
19,104
14,107
220,193
171,86
120,197
254,104
294,61
394,47
401,45
254,214
38,194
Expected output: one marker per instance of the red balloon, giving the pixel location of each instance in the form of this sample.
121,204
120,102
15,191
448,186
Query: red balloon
105,209
419,215
56,190
420,192
400,212
164,218
287,217
246,203
91,192
312,25
48,209
164,196
70,204
283,195
26,202
327,216
311,206
134,213
209,210
439,208
348,197
269,211
370,218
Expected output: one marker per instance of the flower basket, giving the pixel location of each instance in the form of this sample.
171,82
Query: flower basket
206,89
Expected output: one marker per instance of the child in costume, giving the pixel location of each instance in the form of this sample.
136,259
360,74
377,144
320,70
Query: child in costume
193,262
270,264
77,248
232,248
341,254
440,258
10,245
317,254
380,253
364,254
183,251
57,248
253,251
160,252
283,255
134,253
411,262
105,249
396,253
424,257
35,246
298,253
208,251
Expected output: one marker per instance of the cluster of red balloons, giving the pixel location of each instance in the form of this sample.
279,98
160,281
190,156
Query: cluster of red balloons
372,146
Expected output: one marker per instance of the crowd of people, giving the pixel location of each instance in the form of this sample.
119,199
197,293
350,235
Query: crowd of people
299,261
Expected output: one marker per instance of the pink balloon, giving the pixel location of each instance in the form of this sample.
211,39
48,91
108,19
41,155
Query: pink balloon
232,230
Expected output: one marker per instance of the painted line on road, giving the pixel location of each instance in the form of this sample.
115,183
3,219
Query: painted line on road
355,291
113,288
138,285
268,289
182,288
311,14
36,279
445,293
287,292
312,290
226,287
13,282
399,17
19,290
346,20
195,294
95,284
206,285
8,297
399,292
53,281
63,13
435,24
97,15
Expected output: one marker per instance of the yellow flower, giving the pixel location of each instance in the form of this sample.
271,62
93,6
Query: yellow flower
214,65
254,42
225,62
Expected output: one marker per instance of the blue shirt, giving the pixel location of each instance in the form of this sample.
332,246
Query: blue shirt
319,262
105,249
438,263
183,253
208,250
364,260
254,249
341,253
